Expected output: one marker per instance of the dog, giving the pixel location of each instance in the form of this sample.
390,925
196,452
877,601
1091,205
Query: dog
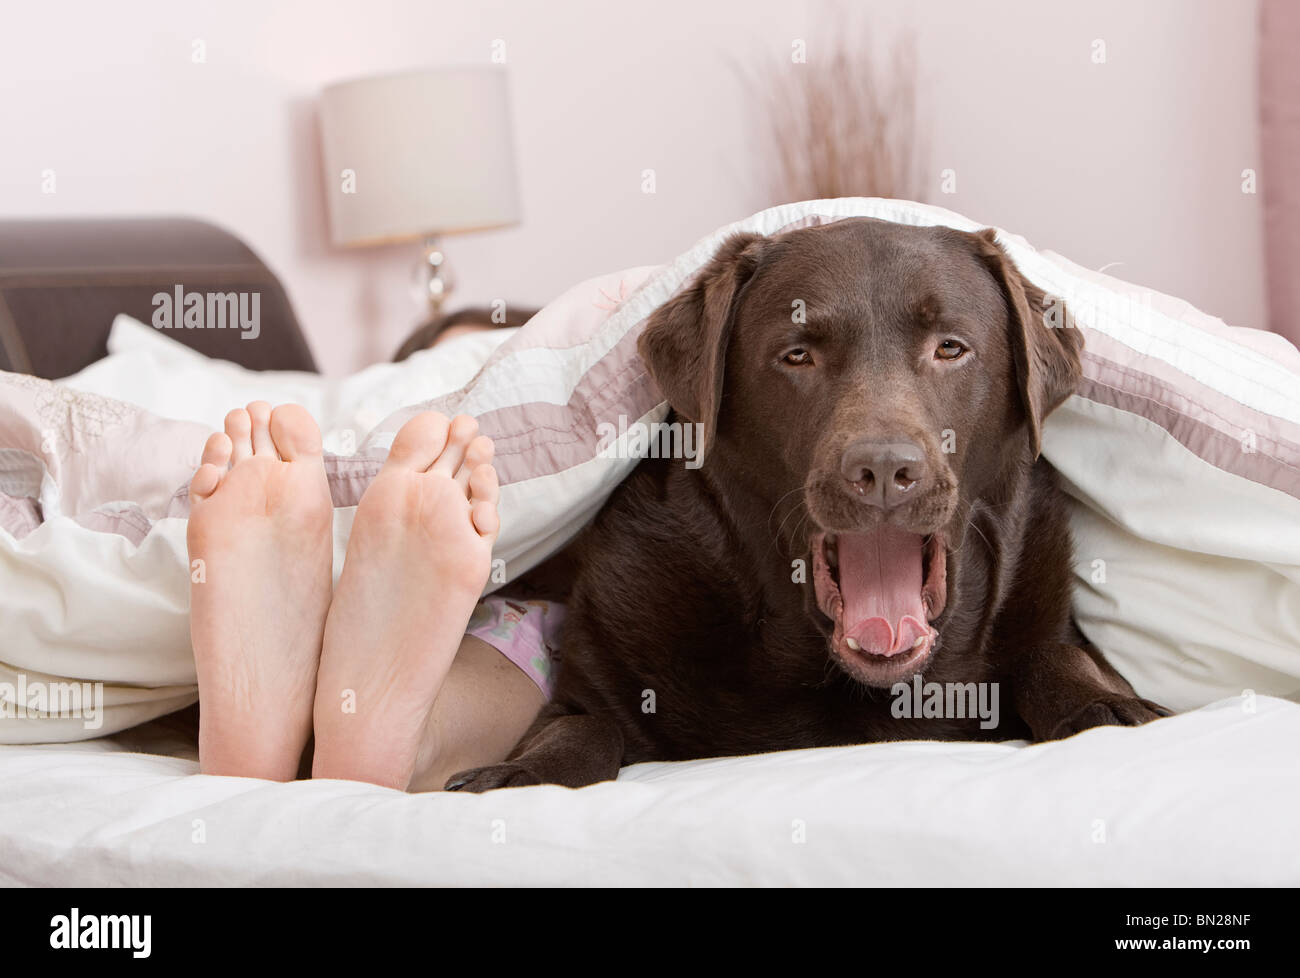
871,512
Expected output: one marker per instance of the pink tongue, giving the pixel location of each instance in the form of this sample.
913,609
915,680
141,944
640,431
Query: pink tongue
880,583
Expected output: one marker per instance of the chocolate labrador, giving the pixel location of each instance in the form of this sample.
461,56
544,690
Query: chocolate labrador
871,519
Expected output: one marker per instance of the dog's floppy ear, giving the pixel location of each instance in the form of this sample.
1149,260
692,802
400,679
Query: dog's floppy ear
1045,343
684,345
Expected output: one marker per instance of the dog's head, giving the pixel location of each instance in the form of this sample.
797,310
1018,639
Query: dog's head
870,381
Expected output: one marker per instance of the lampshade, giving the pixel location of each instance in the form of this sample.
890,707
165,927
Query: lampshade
418,153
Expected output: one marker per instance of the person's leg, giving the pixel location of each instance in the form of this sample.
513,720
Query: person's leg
418,557
260,558
486,704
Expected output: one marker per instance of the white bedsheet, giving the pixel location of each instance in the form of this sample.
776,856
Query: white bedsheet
1203,798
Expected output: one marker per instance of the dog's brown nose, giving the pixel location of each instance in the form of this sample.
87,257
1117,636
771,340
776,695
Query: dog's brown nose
886,473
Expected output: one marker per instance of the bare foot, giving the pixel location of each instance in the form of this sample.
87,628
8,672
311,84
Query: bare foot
258,597
418,557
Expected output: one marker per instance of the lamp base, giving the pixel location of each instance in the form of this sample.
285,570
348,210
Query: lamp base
435,279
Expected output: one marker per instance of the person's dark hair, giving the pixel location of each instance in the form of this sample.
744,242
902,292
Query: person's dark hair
425,336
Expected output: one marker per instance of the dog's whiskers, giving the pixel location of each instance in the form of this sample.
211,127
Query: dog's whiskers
776,537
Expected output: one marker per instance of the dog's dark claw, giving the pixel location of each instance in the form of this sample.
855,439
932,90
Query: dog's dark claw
493,776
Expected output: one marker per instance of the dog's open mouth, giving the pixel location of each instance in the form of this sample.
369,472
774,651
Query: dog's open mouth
881,590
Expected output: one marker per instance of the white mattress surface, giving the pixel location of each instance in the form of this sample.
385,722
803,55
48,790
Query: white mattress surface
1207,797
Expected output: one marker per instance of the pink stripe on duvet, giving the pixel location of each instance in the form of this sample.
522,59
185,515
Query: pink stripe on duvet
538,438
1232,437
535,440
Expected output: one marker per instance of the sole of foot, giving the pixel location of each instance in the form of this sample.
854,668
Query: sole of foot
418,557
261,552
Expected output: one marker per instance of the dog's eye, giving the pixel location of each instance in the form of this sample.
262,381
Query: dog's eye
797,357
949,350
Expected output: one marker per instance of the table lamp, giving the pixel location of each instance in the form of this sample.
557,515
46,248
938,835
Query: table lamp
417,155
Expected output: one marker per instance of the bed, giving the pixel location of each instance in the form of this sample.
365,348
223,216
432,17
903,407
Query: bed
1206,797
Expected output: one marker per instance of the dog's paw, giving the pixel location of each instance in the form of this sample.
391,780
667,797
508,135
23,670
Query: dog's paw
489,778
1112,711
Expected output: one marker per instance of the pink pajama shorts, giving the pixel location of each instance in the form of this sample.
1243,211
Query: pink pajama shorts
525,632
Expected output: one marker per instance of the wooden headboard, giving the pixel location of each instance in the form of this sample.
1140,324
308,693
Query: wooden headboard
63,281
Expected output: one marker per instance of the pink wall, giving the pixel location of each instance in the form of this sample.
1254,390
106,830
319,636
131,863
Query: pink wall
1279,95
1135,163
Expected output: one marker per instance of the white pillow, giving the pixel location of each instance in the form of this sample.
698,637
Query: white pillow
154,371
